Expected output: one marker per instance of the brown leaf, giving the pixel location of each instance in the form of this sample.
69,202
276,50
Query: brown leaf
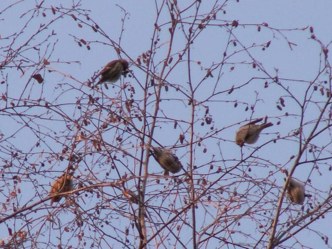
129,104
53,10
235,23
181,138
74,17
231,90
282,102
268,44
38,77
96,144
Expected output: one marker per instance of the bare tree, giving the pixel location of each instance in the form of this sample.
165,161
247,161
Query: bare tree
196,76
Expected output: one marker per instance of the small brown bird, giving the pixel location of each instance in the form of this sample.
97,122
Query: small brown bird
295,191
63,184
167,160
249,133
113,70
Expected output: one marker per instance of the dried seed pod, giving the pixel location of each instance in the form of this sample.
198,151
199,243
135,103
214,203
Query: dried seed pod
167,160
296,192
113,70
249,133
63,184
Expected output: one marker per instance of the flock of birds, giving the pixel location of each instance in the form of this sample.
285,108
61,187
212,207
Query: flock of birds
247,134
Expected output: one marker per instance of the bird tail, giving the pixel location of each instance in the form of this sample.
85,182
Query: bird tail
255,121
266,125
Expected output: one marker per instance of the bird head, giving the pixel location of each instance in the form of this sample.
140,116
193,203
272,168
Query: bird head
125,66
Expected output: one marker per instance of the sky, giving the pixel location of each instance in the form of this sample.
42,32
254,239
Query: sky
64,83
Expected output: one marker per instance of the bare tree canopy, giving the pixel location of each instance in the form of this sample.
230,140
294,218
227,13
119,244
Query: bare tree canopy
141,124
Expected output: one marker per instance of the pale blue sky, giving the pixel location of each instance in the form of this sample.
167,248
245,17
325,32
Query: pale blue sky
300,63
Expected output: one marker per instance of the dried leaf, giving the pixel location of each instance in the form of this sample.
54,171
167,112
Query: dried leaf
53,10
235,23
181,138
38,77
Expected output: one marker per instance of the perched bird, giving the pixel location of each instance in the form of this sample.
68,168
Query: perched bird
167,160
113,70
249,133
63,184
131,196
295,191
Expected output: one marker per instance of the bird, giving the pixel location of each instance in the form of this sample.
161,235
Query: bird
295,191
167,160
113,70
63,184
249,133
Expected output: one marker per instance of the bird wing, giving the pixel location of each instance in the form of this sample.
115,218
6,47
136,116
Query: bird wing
108,66
242,134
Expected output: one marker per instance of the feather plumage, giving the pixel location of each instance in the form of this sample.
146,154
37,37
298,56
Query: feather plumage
113,70
167,160
249,133
63,184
